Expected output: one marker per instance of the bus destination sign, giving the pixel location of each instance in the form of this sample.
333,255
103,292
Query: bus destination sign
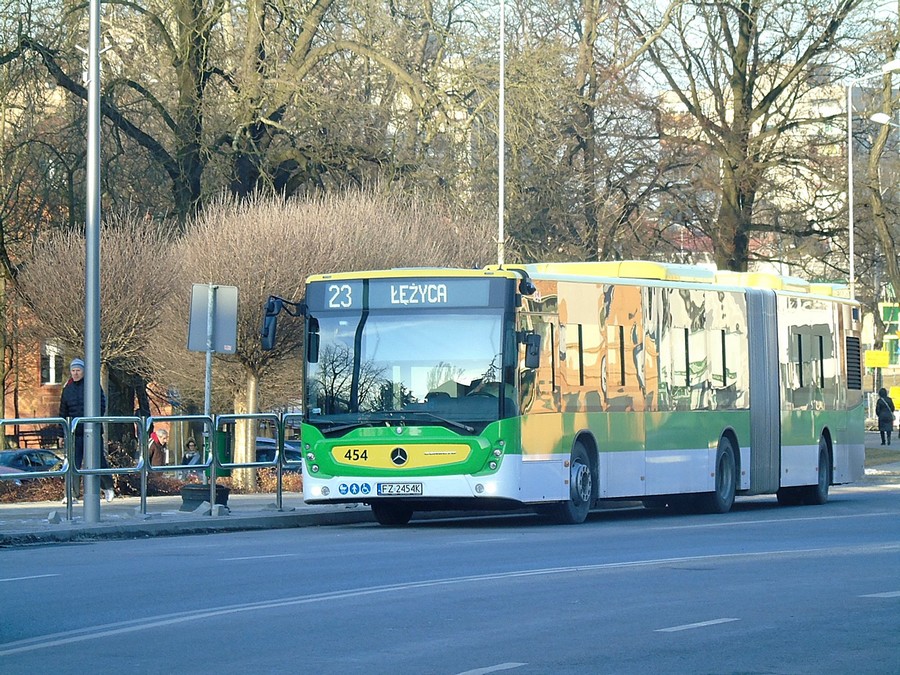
400,294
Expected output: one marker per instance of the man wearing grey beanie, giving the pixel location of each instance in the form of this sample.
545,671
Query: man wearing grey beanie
71,405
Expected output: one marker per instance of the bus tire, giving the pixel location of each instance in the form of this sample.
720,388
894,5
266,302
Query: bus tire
581,489
789,496
816,495
655,502
391,514
722,499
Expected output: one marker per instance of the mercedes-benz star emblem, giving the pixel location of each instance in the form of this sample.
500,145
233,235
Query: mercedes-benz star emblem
399,456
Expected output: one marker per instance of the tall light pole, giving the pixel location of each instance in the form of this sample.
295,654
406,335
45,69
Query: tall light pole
888,67
92,396
501,142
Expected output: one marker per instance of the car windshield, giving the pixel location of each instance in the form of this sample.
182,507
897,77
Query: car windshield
386,367
6,458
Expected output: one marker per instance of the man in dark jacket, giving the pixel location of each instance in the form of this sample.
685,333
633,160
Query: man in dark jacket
71,405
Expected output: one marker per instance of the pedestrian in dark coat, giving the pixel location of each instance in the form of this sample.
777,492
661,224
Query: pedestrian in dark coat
71,405
884,411
158,450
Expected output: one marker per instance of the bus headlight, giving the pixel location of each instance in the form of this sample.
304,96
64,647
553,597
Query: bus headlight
497,452
314,468
493,466
486,488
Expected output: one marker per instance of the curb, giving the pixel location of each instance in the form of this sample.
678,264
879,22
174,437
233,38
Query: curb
155,525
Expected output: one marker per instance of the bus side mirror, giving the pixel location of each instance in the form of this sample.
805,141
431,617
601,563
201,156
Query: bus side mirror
270,323
312,341
532,350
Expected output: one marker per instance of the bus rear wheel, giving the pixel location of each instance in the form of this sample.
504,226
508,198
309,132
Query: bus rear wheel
581,490
390,514
722,499
789,496
816,495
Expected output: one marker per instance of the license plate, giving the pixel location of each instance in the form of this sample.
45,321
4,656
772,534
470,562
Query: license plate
399,488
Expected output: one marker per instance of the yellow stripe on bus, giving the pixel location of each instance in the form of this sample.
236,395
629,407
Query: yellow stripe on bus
400,456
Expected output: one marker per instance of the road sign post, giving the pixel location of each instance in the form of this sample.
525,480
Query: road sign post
212,329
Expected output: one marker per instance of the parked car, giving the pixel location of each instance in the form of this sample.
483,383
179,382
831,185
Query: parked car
31,459
6,470
266,447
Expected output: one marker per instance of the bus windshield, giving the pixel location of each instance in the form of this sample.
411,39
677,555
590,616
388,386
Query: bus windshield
381,367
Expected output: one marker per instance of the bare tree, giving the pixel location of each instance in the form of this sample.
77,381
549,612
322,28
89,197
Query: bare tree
884,206
586,170
269,94
739,69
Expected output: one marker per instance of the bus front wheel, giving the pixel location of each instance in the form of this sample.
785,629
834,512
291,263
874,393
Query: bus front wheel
391,515
581,489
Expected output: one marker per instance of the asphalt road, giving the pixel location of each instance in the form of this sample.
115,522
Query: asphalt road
763,589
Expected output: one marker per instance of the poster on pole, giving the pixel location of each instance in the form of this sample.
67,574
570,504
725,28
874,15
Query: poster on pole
223,312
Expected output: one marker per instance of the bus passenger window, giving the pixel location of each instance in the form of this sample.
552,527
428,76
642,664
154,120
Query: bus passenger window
615,355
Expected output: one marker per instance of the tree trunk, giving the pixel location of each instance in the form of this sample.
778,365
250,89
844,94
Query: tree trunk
586,133
879,215
873,176
245,432
731,241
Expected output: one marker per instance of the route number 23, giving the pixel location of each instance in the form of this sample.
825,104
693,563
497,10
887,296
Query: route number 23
341,296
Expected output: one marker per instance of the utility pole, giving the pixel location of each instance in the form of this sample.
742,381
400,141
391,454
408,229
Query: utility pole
92,400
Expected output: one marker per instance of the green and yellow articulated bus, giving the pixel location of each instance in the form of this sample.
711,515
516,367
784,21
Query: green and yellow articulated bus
553,386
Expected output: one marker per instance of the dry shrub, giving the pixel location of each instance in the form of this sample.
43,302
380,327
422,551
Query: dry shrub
34,490
136,281
266,483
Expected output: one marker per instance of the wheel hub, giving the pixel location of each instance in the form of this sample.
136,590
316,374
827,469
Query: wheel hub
582,483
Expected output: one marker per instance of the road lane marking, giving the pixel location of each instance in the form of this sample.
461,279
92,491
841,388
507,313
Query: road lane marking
770,521
142,624
493,669
889,594
689,626
260,557
36,576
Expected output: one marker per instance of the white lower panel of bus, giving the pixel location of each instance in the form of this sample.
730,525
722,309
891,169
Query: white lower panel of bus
799,464
539,481
622,474
849,462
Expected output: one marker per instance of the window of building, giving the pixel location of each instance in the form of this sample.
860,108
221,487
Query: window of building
52,367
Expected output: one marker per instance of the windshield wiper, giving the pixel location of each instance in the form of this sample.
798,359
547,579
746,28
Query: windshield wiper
366,421
443,420
388,417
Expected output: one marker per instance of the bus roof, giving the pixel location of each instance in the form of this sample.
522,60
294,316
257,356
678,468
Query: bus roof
672,272
642,270
414,272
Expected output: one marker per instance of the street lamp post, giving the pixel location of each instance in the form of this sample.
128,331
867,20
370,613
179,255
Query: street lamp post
501,143
888,67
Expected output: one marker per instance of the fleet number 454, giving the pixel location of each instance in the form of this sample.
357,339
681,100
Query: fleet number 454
356,455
